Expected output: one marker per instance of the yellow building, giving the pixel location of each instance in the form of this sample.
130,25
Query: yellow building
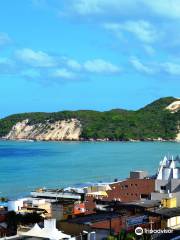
169,202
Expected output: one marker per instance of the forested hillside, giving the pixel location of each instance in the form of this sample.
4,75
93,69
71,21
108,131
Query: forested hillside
151,122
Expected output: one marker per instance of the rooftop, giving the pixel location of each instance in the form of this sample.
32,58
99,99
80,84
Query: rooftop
168,212
141,203
57,194
92,218
145,203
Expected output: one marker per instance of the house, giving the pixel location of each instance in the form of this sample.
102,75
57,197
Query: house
103,224
138,186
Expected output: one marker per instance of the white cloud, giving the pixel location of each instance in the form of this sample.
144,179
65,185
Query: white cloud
165,8
136,63
143,30
171,68
4,38
91,7
85,7
38,65
75,65
100,66
160,8
64,74
35,58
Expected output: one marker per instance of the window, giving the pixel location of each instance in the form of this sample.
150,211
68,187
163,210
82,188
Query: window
144,196
163,187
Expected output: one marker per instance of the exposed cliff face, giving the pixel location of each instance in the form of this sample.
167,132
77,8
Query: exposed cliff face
57,131
174,107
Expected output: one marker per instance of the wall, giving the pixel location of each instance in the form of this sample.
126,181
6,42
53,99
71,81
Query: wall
159,183
116,225
57,211
89,205
173,221
172,185
73,228
169,202
130,190
125,191
160,196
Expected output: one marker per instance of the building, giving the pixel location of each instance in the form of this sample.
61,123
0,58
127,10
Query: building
103,224
170,217
138,213
16,205
167,182
57,194
138,186
60,209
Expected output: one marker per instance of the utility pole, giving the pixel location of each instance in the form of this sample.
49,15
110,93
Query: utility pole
151,224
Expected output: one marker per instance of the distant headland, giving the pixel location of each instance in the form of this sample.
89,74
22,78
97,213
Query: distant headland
158,121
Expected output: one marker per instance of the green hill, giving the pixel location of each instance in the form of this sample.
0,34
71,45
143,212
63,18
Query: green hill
151,122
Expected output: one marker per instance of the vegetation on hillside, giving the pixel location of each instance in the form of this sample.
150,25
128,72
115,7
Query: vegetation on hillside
150,122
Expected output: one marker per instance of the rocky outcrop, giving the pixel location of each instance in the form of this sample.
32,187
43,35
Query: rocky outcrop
57,131
174,106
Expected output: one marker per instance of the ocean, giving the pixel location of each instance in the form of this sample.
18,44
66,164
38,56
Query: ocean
25,166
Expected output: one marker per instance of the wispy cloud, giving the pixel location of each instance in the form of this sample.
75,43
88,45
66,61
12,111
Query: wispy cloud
63,73
149,22
142,30
41,66
101,7
35,58
100,66
150,68
72,63
171,68
168,8
160,8
88,7
140,67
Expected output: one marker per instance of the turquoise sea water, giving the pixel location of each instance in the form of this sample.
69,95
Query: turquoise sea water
27,165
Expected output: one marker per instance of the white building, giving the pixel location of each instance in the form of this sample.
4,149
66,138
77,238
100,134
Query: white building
16,205
167,183
169,169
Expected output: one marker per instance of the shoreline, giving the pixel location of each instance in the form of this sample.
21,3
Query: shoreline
91,140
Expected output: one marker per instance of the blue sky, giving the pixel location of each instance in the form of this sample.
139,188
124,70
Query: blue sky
87,54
